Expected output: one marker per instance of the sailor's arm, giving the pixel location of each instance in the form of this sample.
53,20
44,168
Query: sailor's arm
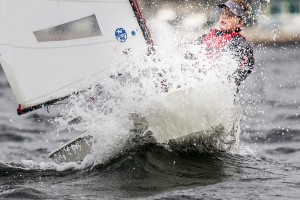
191,56
243,52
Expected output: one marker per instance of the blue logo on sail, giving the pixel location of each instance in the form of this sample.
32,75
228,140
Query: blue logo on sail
121,35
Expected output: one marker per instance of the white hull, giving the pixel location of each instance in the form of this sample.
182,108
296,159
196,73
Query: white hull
176,121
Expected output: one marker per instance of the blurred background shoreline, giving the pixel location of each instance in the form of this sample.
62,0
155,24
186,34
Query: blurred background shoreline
270,22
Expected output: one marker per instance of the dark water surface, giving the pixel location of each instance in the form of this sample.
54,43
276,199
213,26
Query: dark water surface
267,168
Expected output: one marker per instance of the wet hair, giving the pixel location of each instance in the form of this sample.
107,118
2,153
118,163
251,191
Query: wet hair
244,5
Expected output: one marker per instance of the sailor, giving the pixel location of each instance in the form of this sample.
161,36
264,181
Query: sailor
228,37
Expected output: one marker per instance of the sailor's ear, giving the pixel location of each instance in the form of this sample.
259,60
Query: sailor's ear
240,23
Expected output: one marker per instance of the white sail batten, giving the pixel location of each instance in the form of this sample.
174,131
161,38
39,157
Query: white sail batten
48,46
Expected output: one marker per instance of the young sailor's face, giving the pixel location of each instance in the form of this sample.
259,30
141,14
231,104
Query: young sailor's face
228,21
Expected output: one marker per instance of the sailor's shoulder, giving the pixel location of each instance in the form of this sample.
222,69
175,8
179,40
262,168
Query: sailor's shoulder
240,37
240,40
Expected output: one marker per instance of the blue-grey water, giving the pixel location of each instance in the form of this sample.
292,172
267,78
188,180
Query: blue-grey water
267,168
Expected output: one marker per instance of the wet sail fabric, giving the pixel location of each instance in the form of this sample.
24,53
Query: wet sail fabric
48,46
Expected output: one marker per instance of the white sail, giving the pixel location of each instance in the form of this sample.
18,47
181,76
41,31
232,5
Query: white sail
47,46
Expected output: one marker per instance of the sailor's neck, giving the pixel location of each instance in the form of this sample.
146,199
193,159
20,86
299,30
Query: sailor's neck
220,32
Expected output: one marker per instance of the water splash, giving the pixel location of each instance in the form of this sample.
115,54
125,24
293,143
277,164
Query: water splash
175,95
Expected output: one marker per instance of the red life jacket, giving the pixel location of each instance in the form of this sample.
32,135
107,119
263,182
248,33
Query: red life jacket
218,42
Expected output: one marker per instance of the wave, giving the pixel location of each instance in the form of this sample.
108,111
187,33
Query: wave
275,135
15,192
11,137
146,169
10,131
282,150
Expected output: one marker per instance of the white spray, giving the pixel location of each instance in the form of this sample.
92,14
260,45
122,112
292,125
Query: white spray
177,96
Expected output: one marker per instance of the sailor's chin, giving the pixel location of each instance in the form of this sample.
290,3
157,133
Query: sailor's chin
222,28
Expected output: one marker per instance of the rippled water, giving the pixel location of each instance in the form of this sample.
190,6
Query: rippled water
268,165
